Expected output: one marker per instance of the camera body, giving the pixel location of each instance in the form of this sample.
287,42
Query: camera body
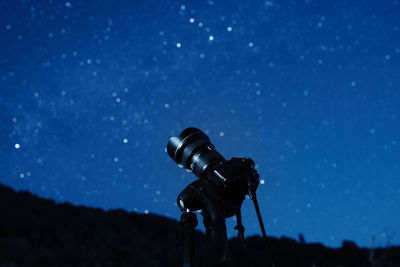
233,179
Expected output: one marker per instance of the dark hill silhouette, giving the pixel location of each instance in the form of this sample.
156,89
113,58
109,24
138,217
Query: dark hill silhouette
39,232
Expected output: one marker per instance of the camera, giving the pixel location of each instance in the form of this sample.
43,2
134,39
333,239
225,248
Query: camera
229,180
218,193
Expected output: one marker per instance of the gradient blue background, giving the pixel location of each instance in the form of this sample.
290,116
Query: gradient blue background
91,91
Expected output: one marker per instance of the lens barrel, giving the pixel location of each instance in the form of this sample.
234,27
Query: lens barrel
193,150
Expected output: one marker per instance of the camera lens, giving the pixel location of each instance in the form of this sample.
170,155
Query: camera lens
193,150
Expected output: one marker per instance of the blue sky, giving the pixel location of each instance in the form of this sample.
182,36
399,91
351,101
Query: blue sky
92,92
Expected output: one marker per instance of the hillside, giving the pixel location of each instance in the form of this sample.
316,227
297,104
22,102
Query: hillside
39,232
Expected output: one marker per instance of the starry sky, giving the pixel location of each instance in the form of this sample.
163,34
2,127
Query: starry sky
91,92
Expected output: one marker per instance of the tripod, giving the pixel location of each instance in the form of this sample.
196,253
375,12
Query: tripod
215,205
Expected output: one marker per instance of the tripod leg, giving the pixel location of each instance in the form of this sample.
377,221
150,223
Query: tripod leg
255,202
240,226
188,223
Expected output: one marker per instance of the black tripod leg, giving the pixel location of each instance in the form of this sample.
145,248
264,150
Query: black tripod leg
188,223
255,202
239,227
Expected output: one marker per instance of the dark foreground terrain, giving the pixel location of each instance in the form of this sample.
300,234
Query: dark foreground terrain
38,232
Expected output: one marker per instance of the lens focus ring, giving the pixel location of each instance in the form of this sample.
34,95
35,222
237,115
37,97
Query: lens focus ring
193,150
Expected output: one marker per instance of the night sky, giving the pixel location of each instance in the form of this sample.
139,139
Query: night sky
91,92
